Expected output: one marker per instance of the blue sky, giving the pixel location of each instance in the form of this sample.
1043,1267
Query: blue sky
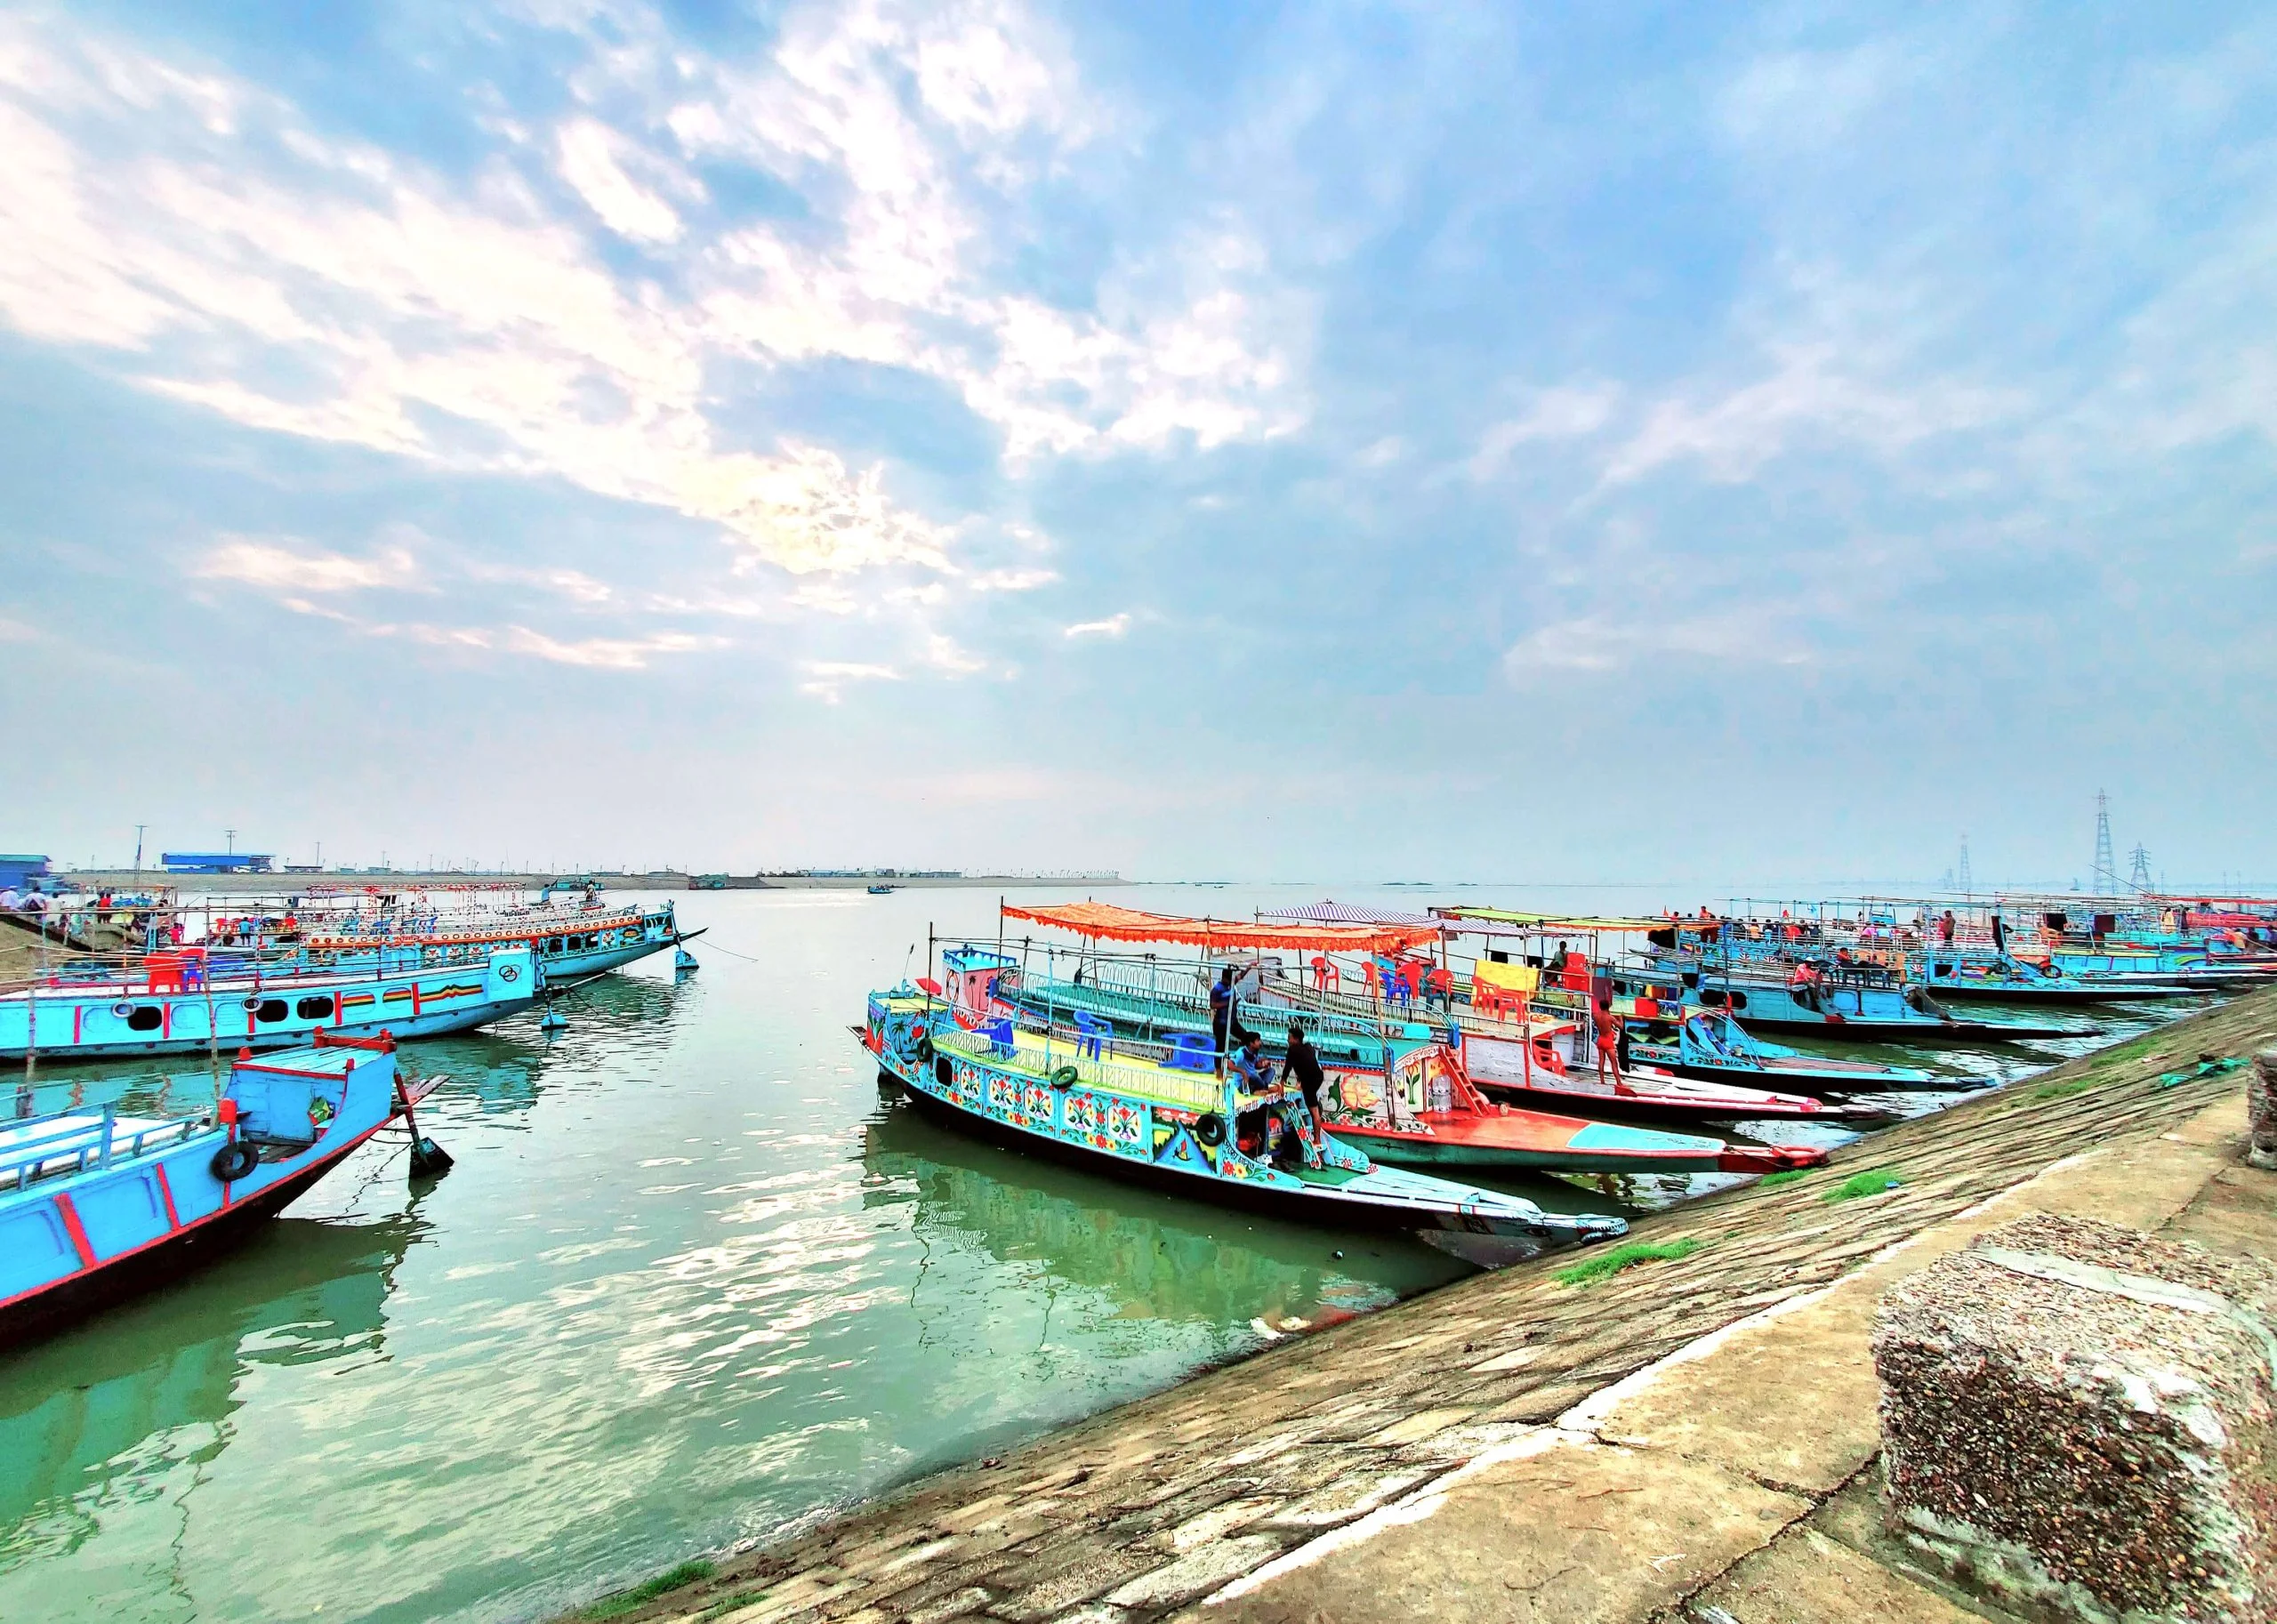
1724,446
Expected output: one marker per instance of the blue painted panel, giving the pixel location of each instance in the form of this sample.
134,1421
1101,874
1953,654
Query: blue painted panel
188,1171
120,1210
35,1248
1612,1136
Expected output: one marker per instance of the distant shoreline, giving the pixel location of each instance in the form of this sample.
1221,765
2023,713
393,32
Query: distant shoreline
126,879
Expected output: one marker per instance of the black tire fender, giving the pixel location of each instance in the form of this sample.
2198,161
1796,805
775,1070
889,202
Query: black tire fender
924,1049
234,1161
1065,1077
1211,1130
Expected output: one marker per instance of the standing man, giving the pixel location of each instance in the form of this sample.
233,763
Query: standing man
1221,1014
1303,1064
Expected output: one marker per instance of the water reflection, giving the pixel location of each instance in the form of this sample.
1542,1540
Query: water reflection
1158,1257
126,1412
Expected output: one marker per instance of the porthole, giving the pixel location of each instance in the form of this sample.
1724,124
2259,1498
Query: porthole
271,1010
145,1018
314,1008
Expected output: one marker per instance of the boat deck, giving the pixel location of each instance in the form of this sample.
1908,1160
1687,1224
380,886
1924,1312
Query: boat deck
70,1142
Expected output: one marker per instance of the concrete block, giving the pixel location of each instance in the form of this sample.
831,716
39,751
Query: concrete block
2261,1109
2079,1420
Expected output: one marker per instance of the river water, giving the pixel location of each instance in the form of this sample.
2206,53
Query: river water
693,1279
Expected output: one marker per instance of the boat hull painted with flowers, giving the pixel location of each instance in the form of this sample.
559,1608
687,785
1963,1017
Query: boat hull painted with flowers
1177,1129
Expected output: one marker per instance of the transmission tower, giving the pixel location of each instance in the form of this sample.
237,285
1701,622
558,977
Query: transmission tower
2106,869
1968,886
2139,876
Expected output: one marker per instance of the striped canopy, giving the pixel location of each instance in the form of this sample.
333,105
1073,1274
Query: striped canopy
1106,920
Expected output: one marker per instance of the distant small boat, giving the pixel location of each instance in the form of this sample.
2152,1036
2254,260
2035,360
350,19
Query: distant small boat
95,1205
881,890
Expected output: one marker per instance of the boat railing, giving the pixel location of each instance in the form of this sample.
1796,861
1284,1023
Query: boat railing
58,1147
1188,1091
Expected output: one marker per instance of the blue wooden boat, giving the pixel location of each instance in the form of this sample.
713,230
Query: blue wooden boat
568,944
880,891
1708,1045
95,1205
170,1004
1858,1003
1175,1124
2000,978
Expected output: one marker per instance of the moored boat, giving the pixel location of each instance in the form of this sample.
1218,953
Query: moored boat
1639,1091
95,1205
1429,1113
1164,1117
173,1003
1708,1045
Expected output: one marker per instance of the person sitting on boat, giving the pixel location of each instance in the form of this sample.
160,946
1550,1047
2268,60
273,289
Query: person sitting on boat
1252,1116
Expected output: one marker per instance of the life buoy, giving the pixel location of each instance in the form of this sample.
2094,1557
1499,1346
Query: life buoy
234,1161
1211,1130
1065,1077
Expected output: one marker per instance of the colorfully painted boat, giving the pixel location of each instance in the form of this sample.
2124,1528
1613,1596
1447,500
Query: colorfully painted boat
568,944
166,1004
1430,1115
1546,1078
1167,1123
1710,1044
95,1205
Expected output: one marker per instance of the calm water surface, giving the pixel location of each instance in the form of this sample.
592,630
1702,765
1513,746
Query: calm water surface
693,1279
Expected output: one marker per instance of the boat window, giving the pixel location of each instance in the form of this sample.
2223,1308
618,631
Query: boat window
1739,1000
1713,997
553,944
271,1010
314,1008
145,1018
1941,969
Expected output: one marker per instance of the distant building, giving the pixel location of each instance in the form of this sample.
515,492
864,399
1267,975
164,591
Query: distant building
219,861
17,870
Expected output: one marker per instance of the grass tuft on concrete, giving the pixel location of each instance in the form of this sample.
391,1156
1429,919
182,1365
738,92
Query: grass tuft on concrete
1873,1181
623,1602
1787,1174
1605,1264
2057,1091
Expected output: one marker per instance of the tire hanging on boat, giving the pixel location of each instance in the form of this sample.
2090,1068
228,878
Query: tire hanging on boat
234,1161
1211,1130
1065,1077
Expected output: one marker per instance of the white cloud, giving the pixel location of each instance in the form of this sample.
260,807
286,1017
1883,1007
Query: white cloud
1114,625
589,156
826,679
1011,580
1607,643
282,569
1815,391
1567,412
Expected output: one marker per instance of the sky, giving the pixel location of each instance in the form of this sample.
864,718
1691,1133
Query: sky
1704,446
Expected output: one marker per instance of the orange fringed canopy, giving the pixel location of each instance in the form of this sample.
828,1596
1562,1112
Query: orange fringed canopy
1106,920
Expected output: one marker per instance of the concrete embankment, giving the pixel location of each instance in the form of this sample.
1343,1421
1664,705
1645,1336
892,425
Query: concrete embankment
1694,1437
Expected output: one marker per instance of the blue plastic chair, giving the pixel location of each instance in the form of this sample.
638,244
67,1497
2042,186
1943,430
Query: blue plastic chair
999,1033
1190,1051
1093,1035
